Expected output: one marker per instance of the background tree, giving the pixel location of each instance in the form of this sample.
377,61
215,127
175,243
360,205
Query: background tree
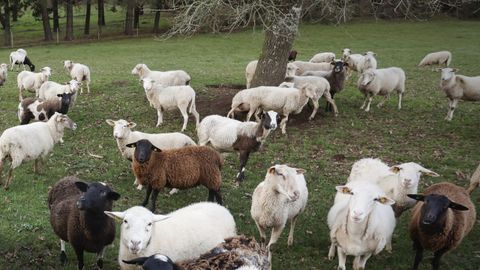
158,4
129,17
69,17
101,12
47,31
88,7
5,20
56,20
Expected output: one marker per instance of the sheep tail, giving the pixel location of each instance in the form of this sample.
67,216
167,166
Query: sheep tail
474,181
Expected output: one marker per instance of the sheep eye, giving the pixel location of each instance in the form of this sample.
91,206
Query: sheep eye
149,224
125,221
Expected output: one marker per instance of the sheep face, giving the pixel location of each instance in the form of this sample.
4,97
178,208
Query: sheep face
97,197
283,179
291,70
363,199
121,128
338,66
409,173
137,227
74,86
46,71
64,121
269,120
154,262
22,51
346,52
66,98
68,64
147,84
143,150
138,69
448,73
434,209
367,77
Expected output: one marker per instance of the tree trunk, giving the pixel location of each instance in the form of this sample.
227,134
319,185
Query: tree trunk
69,28
279,38
6,21
136,17
156,24
15,8
56,23
129,17
47,31
86,29
101,12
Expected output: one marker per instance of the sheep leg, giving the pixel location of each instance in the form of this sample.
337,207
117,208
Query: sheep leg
342,259
283,124
63,255
276,232
315,109
250,113
88,87
400,100
1,170
370,98
331,251
331,101
292,228
36,166
437,255
160,117
183,111
385,98
100,258
452,105
418,255
79,253
10,177
261,230
362,260
244,155
154,200
20,95
364,102
218,196
147,195
328,107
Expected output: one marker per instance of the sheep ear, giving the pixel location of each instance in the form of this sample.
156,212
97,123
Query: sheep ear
112,195
455,69
395,169
332,63
82,186
158,218
271,170
132,124
110,122
385,200
417,197
344,190
155,149
300,171
137,261
428,172
131,145
117,216
59,95
457,206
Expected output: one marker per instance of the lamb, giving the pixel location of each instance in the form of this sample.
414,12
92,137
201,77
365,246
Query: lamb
237,252
184,234
166,78
42,110
282,100
361,222
19,57
167,98
441,58
307,66
252,66
396,181
458,87
76,216
326,57
3,73
78,72
27,80
440,220
16,142
381,82
226,134
156,169
280,197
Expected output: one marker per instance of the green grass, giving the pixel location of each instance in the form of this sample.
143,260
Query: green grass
416,133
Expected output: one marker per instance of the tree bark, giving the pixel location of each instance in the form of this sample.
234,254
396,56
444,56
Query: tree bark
47,31
56,22
156,24
86,29
136,17
279,38
101,12
69,27
6,22
15,7
129,17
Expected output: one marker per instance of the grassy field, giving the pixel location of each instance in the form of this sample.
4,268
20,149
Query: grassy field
326,147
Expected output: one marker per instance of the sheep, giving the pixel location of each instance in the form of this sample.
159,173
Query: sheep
369,61
42,110
441,58
76,216
184,234
237,252
360,63
27,80
252,66
381,82
396,181
280,197
321,86
3,73
50,90
16,142
226,134
158,168
458,87
19,57
167,98
307,66
166,78
323,57
346,52
292,55
282,100
442,217
361,222
78,72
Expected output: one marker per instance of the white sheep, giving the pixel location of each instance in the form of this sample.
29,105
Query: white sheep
3,73
441,58
323,57
51,90
360,63
346,52
361,223
369,61
458,87
381,82
31,142
307,66
27,80
167,98
166,78
181,235
280,197
252,66
19,57
78,72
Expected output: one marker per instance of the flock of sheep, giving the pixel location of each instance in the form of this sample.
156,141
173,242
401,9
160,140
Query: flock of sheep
203,235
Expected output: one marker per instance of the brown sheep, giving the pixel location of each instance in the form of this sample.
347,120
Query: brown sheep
440,220
77,217
176,168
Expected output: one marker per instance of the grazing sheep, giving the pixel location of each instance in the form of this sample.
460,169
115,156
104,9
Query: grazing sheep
282,100
280,197
3,73
307,66
19,57
78,72
361,223
369,61
292,55
42,110
27,80
442,58
184,234
237,252
252,66
226,134
440,220
381,82
166,78
167,98
16,142
157,169
77,216
458,87
326,57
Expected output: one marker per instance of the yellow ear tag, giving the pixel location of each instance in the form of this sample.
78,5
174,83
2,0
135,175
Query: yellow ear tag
382,200
346,190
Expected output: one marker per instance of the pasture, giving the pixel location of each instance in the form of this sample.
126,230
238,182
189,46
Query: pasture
325,147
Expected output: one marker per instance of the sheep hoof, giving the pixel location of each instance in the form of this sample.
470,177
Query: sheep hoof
139,187
290,242
63,257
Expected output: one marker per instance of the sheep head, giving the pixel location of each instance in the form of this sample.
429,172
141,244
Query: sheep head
269,120
63,121
367,77
143,150
68,64
97,197
121,128
284,181
156,261
409,174
140,70
448,73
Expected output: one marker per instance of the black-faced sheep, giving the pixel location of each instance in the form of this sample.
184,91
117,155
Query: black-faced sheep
42,110
176,168
19,57
77,217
